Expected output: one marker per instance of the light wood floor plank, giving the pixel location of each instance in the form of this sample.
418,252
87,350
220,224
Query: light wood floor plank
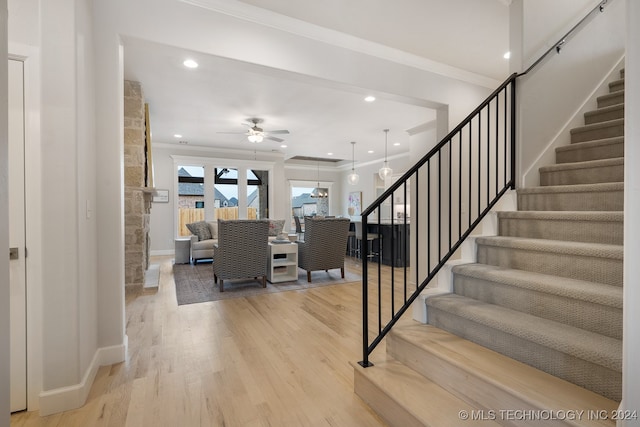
278,359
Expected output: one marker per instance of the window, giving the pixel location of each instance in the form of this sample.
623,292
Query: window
211,189
190,197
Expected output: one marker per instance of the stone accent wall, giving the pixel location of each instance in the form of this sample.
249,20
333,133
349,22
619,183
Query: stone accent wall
137,197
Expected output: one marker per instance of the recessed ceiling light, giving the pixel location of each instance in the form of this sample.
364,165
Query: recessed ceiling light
190,63
396,143
370,151
283,146
507,55
177,135
329,154
370,98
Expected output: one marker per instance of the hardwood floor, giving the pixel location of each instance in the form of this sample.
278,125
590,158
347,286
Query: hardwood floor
279,359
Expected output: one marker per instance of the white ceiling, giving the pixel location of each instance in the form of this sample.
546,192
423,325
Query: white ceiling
322,117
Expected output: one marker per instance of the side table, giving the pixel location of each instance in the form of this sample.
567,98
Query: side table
282,262
182,250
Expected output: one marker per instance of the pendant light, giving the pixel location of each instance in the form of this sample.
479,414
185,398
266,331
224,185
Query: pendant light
319,193
353,177
385,171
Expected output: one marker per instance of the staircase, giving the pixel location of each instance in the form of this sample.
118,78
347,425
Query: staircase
536,324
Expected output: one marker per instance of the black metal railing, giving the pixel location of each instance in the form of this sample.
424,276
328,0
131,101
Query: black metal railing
456,184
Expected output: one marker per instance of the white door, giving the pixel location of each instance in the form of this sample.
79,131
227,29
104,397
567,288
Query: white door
17,264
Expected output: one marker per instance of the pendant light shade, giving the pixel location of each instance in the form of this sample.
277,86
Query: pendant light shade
385,171
353,177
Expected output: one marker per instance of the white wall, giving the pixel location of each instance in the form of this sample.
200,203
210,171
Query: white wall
4,229
553,97
546,21
631,339
63,350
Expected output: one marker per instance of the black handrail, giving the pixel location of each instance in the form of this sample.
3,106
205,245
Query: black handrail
498,137
557,47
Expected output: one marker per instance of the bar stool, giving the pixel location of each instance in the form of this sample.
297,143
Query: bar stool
370,237
351,242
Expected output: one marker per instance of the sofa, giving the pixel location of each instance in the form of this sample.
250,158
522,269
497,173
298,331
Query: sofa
204,235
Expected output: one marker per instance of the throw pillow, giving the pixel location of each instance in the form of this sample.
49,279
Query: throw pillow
275,226
200,229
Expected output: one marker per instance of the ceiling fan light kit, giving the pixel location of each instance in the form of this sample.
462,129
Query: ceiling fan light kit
256,134
353,177
385,171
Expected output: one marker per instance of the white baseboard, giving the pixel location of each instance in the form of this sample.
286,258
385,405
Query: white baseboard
75,396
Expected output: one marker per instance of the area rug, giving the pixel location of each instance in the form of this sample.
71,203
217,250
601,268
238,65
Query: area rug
194,283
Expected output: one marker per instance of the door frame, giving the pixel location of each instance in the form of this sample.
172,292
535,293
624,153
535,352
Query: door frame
30,56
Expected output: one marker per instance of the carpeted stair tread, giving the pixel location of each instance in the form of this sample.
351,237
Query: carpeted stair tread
579,343
619,161
578,197
604,114
594,262
616,216
586,172
598,250
609,99
579,188
575,226
487,378
592,306
591,150
608,129
616,85
397,393
596,293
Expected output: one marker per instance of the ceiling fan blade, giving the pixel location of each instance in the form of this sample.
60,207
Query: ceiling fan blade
273,138
281,131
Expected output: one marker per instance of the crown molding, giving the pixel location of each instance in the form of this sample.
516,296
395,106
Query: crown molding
247,12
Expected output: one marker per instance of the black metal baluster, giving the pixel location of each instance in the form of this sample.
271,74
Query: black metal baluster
428,216
439,205
479,159
459,184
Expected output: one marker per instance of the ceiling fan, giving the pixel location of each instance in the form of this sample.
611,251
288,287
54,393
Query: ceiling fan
257,134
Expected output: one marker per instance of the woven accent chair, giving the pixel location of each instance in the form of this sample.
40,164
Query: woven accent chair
324,246
241,250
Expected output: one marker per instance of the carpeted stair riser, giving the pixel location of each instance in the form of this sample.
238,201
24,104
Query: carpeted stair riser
574,226
583,261
587,197
587,305
604,114
609,148
589,360
616,86
591,172
610,99
608,129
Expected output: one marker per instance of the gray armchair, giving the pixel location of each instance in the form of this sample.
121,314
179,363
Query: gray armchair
324,246
241,250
